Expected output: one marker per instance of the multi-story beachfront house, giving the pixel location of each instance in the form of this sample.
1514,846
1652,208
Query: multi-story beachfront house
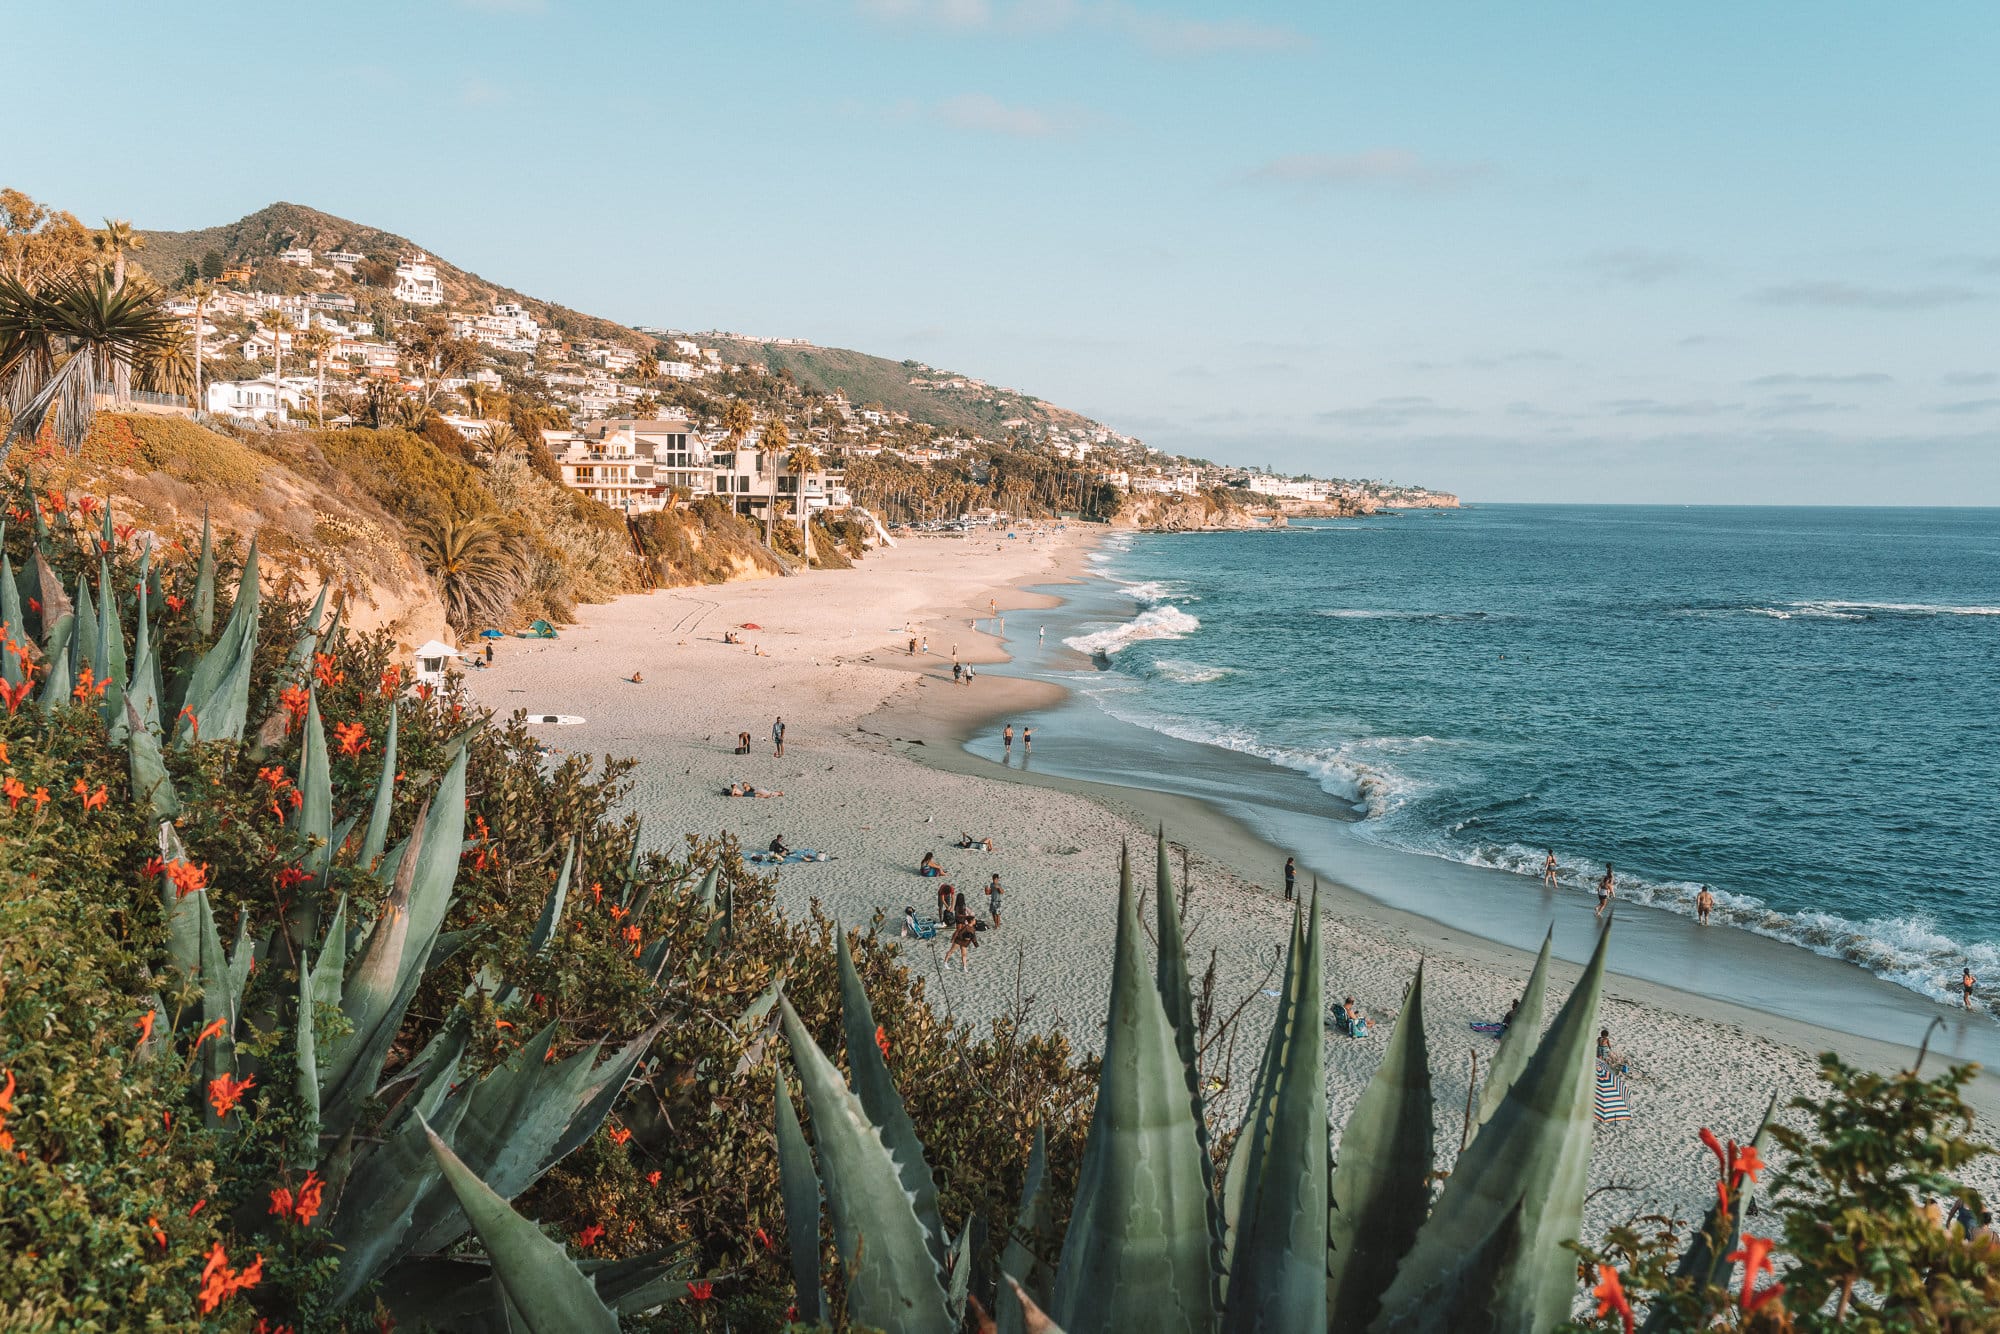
634,464
261,399
417,281
743,476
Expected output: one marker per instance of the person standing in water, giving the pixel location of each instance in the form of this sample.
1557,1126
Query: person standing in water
1606,889
1007,739
1027,741
1966,982
1704,904
1549,869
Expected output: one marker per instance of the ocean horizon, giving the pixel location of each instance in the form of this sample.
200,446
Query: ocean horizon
1790,710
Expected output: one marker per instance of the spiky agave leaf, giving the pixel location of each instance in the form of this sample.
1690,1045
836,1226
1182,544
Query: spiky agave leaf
893,1284
1136,1255
313,820
56,650
151,785
869,1074
1034,1229
217,702
1177,994
204,582
799,1184
552,910
967,1248
305,1049
376,835
86,644
544,1288
1518,1042
1278,1278
302,647
1238,1172
11,619
437,864
1534,1157
1381,1185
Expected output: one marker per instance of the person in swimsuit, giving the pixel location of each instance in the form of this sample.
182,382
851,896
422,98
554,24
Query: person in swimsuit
1704,904
1007,739
1966,982
1549,869
964,939
1027,740
1606,889
1291,878
993,893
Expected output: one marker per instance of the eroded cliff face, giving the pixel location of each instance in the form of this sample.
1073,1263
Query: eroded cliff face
1205,513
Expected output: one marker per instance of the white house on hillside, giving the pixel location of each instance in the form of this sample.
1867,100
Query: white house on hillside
262,399
417,281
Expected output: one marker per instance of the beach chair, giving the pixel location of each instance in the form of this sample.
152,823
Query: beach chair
926,928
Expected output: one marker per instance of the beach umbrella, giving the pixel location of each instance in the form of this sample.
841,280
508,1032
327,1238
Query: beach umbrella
490,633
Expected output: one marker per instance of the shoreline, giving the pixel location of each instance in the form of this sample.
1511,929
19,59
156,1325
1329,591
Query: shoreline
936,732
829,653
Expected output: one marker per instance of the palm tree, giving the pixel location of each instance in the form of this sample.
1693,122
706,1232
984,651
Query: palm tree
474,394
319,341
278,324
499,438
737,419
169,368
55,340
117,240
804,459
201,293
478,573
772,444
649,366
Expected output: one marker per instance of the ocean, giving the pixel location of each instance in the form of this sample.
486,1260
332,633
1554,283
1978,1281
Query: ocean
1793,706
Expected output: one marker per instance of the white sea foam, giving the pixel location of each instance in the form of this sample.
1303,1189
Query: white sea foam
1831,609
1161,622
1182,672
1375,614
1153,591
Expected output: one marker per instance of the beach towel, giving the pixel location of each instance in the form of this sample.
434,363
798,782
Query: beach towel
1492,1030
796,855
1611,1104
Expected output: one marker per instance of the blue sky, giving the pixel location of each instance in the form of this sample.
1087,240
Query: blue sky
1546,251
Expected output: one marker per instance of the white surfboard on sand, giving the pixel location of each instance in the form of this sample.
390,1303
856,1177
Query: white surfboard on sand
558,719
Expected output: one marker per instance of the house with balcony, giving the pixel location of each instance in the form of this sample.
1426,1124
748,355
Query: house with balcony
261,399
743,477
417,281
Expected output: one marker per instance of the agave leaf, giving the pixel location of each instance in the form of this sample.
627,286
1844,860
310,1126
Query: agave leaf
151,786
110,631
966,1249
372,1214
603,1091
892,1280
552,911
767,1000
1177,994
204,583
1033,1319
48,589
632,864
218,1053
329,970
1466,1290
882,1104
1137,1252
87,649
799,1184
376,837
1518,1042
56,651
550,1294
1278,1281
217,702
313,820
182,917
241,960
1703,1263
436,864
1034,1228
15,625
143,688
308,640
304,1047
1239,1172
373,987
1534,1156
1381,1188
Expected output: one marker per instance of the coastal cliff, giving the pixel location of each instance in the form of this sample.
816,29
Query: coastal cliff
1223,509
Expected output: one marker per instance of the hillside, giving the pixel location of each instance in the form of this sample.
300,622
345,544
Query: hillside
947,400
258,239
868,380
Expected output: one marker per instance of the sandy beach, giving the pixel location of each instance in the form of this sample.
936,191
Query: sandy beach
875,774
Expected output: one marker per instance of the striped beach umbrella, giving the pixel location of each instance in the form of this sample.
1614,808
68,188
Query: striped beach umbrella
1611,1103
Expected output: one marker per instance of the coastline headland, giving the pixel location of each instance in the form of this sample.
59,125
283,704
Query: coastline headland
877,772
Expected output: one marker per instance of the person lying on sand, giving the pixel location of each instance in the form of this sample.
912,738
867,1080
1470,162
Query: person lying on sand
966,840
750,790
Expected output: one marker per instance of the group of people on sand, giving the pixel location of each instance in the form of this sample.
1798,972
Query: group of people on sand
953,913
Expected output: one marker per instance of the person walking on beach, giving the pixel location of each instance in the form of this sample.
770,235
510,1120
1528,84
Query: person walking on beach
1704,904
1606,889
1966,982
964,939
1549,869
778,738
1007,739
925,648
993,893
1027,741
1291,878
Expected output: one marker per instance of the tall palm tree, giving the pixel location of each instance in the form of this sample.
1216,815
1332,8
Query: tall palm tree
117,240
169,368
278,324
649,366
772,443
737,419
56,339
202,292
319,341
475,395
478,573
498,438
803,459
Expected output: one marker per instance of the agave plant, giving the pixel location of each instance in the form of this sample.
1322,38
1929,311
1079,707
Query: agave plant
413,1160
1285,1243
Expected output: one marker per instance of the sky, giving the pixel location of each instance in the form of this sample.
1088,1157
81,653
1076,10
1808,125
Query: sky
1553,251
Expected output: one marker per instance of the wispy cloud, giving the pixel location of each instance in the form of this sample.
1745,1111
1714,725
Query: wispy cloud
1393,169
1799,405
1857,296
1653,407
1637,267
1393,411
1987,266
1787,378
1968,407
985,114
1971,379
1160,33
